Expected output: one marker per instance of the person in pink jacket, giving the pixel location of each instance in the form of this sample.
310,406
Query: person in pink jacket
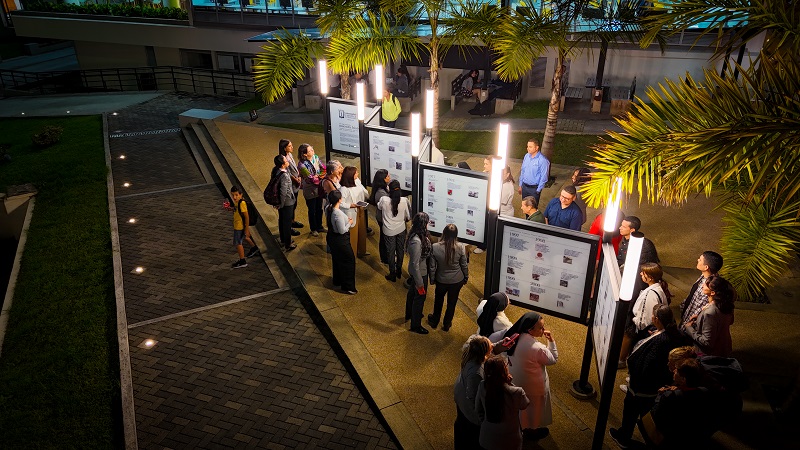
528,359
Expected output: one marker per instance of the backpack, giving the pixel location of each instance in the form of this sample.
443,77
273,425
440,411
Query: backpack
252,214
272,193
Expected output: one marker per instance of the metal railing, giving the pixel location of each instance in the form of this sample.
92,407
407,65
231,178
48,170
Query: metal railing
160,78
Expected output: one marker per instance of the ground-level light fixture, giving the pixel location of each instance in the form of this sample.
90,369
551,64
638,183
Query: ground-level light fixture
138,269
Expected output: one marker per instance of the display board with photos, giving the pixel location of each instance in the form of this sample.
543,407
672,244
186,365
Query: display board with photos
454,195
605,309
545,268
344,129
390,149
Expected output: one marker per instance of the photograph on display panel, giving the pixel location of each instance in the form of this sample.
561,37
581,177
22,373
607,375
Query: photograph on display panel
453,195
605,309
545,268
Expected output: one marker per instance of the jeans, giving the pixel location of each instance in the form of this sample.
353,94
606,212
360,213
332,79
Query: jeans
395,251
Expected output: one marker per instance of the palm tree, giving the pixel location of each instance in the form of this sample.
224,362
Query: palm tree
737,135
528,33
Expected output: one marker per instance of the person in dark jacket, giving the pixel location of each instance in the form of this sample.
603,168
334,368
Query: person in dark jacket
649,371
418,247
288,200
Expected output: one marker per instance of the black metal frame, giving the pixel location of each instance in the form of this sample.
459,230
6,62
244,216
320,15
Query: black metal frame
504,222
455,171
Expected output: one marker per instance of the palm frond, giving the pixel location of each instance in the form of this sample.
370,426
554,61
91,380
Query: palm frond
282,63
333,14
523,38
374,40
758,242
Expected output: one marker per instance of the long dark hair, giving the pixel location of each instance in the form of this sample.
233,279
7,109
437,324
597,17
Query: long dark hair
334,197
302,150
495,378
724,295
282,144
349,177
450,240
279,160
419,227
654,271
395,194
378,182
667,318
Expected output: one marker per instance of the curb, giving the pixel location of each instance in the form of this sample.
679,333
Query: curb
12,279
125,378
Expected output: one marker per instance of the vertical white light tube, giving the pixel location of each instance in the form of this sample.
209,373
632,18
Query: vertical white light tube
495,183
631,266
502,143
379,78
323,77
415,134
612,207
429,109
360,101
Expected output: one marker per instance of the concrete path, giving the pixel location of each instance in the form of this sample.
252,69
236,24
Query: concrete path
237,362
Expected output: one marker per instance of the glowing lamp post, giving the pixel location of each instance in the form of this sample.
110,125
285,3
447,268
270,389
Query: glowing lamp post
415,141
379,82
429,110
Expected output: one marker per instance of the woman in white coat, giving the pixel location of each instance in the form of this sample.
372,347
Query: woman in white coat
507,193
528,359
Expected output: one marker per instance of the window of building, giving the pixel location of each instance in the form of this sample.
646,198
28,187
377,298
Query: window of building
247,63
228,62
196,59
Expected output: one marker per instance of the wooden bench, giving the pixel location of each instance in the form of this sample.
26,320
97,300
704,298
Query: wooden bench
620,100
573,93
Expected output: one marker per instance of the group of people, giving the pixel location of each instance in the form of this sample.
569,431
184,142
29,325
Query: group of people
502,392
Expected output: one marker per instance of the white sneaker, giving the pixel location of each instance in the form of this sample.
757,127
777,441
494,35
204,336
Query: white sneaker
623,388
477,251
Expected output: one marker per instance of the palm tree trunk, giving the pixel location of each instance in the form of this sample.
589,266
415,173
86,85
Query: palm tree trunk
548,141
344,85
434,71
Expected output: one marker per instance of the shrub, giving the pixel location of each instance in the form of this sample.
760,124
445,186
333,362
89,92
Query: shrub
119,9
47,136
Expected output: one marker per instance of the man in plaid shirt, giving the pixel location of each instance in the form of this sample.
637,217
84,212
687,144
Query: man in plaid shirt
709,263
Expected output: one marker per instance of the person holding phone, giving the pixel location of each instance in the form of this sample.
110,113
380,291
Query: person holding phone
528,359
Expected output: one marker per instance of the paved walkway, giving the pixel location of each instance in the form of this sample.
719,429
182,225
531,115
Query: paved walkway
238,362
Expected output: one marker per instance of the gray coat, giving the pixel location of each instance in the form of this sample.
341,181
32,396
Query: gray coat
288,196
294,172
712,332
455,272
417,265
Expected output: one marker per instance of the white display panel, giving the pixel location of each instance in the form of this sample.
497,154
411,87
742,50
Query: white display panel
393,153
455,196
344,128
605,309
545,272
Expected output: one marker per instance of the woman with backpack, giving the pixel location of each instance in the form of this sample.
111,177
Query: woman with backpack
286,148
287,202
312,171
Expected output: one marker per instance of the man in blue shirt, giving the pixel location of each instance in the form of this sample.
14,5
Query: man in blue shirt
563,212
534,173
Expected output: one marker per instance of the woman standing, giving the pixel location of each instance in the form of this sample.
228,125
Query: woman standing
467,427
380,189
498,404
331,181
354,192
711,331
418,247
449,270
342,258
286,149
390,108
395,211
640,325
507,193
528,359
312,171
288,200
492,316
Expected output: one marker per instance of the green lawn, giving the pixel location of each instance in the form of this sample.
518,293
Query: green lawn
528,110
59,371
253,103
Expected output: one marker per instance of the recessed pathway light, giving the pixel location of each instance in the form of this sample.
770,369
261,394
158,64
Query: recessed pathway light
68,112
148,343
114,114
131,220
126,185
139,269
121,156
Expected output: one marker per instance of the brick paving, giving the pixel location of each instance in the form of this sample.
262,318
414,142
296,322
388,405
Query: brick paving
255,373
